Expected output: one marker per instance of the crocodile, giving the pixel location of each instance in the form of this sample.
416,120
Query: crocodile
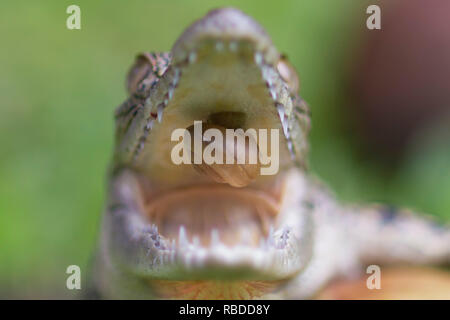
196,231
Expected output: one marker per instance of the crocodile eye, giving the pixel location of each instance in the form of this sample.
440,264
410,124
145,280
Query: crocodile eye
140,70
147,70
288,73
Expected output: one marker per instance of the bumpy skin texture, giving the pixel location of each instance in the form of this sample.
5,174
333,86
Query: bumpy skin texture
321,240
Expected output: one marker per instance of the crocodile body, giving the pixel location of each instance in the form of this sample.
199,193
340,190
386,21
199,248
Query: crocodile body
171,231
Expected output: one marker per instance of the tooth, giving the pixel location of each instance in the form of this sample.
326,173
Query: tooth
182,239
291,149
170,93
286,131
192,57
196,241
273,94
160,112
215,240
270,236
149,125
258,58
285,234
176,77
283,118
285,127
283,239
280,109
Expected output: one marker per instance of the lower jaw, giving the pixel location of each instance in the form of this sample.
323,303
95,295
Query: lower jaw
213,289
277,257
219,258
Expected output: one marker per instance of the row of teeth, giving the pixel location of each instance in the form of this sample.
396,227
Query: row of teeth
259,60
166,251
278,241
158,115
192,58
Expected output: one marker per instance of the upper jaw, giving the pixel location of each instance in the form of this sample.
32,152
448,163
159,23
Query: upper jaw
225,62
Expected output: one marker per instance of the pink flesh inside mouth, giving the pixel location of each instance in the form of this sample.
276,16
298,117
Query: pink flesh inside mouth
236,216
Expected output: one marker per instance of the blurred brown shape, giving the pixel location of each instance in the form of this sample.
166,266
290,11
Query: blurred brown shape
396,284
402,80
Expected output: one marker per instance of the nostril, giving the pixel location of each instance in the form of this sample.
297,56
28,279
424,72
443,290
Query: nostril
228,119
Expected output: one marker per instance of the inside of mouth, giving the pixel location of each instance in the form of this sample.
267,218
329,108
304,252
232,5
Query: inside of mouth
226,88
216,213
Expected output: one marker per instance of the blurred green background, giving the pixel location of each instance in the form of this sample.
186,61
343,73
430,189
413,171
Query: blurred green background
59,87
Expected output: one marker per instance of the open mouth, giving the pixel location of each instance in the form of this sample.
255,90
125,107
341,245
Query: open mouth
215,213
215,229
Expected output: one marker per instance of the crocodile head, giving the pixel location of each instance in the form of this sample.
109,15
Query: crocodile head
222,225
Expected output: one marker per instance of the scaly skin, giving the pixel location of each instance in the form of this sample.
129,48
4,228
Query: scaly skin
225,70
